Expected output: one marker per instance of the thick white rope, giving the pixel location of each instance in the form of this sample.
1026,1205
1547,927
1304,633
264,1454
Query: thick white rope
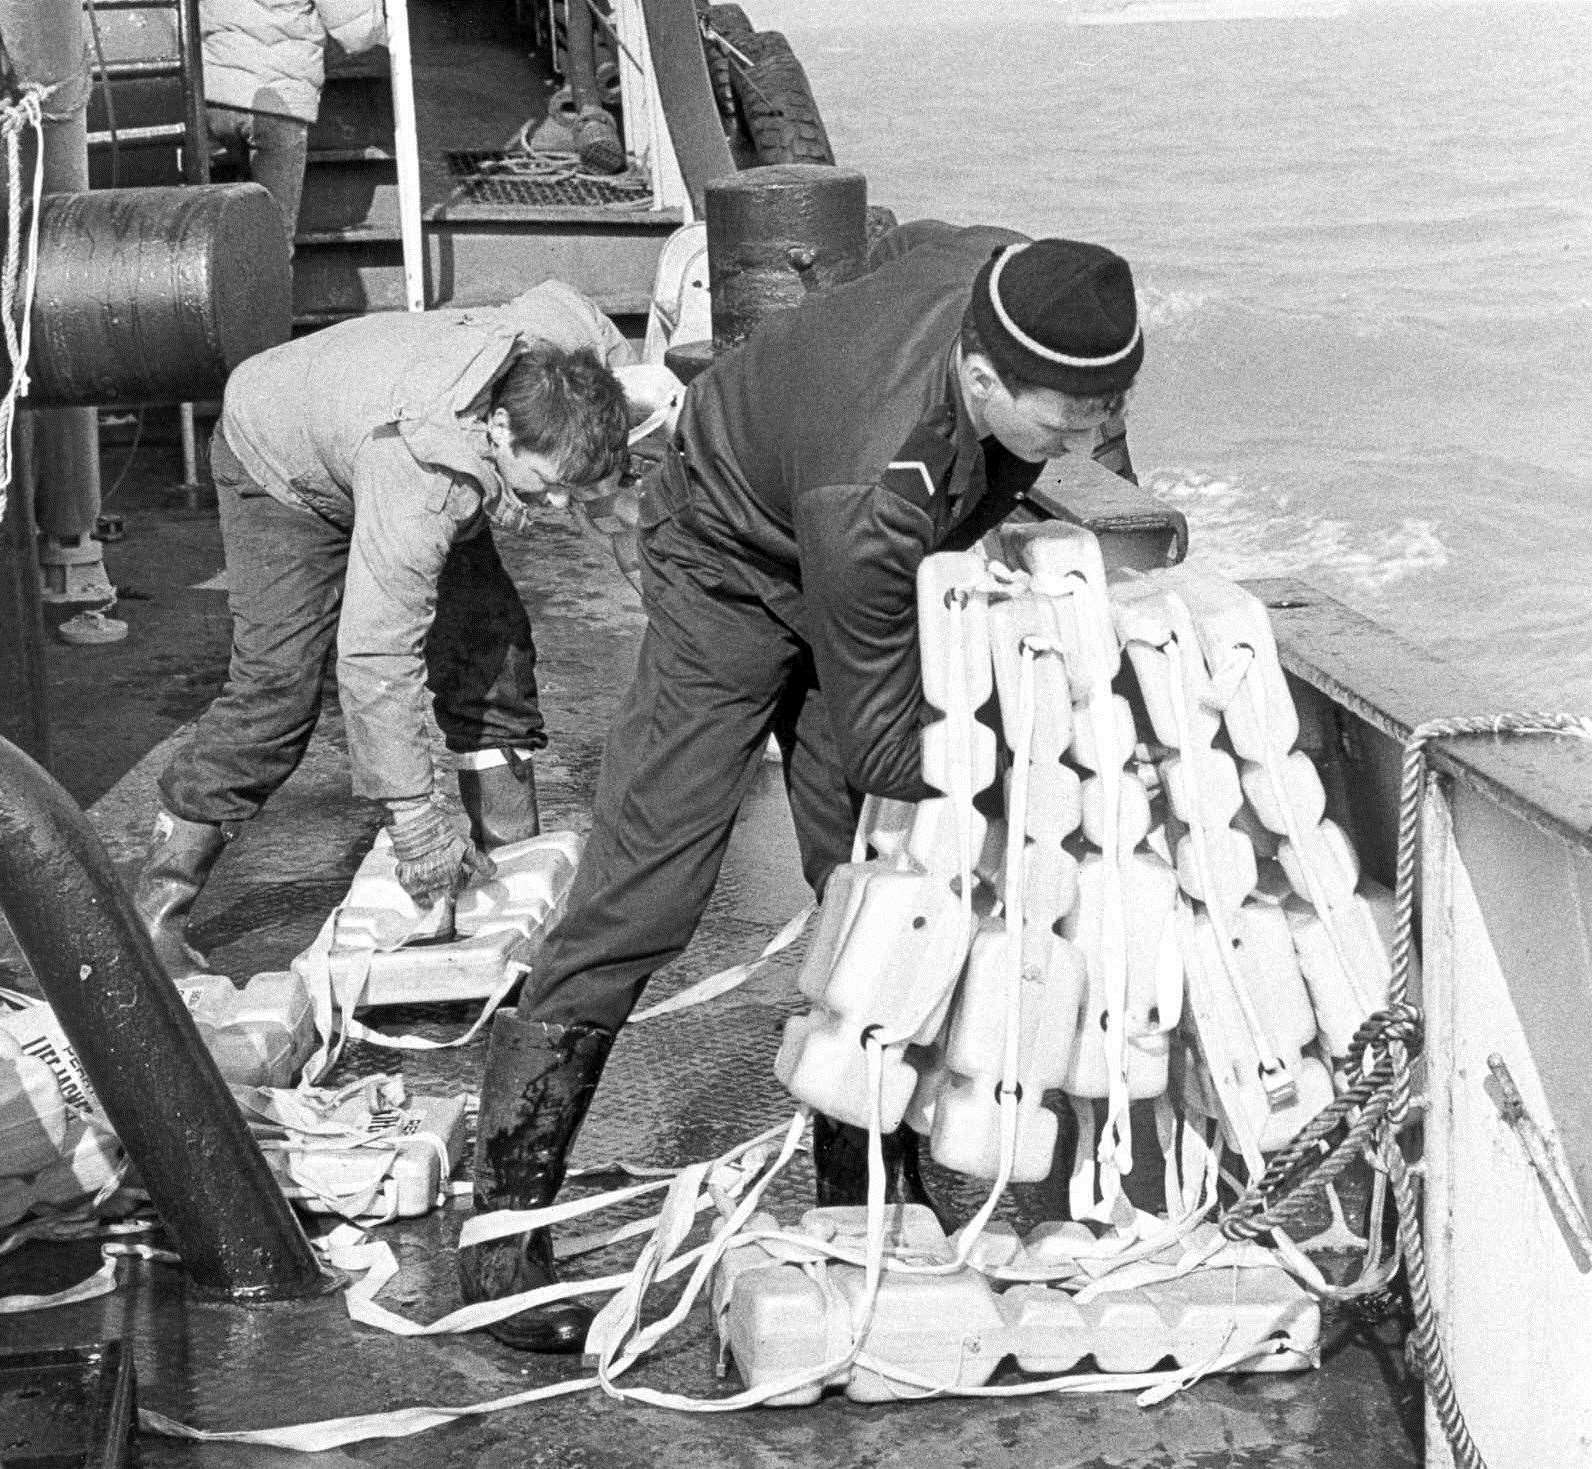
19,271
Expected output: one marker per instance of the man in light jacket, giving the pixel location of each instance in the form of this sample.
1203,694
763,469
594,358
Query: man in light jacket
372,481
264,66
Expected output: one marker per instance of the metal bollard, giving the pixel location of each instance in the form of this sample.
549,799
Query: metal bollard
777,233
237,1234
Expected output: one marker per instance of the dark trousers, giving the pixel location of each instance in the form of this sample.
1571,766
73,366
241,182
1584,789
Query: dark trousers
285,569
717,672
269,149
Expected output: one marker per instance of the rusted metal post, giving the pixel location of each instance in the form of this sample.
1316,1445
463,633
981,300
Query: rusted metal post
44,46
24,706
237,1234
45,42
777,233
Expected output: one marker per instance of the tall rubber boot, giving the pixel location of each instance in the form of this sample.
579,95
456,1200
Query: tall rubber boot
500,798
175,870
538,1084
840,1162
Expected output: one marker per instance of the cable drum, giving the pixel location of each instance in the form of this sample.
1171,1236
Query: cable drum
154,295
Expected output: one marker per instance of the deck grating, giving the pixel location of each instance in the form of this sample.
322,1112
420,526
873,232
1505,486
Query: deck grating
492,176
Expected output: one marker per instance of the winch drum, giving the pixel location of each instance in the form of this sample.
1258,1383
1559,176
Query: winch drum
154,295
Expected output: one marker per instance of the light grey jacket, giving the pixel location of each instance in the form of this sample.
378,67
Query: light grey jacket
375,425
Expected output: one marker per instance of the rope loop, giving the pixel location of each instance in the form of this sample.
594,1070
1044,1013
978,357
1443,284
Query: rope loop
1341,1131
1400,1024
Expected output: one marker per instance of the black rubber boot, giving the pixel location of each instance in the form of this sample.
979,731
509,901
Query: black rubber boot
501,802
840,1162
538,1084
174,871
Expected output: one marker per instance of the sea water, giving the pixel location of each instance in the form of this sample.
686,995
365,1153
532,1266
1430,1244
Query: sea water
1362,236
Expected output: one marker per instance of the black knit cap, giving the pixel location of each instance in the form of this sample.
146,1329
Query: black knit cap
1060,314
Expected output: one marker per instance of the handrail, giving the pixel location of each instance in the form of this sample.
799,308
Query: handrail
406,153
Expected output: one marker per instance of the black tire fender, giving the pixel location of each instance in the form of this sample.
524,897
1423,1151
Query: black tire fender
776,106
727,27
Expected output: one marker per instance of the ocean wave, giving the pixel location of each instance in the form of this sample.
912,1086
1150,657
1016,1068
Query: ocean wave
1248,531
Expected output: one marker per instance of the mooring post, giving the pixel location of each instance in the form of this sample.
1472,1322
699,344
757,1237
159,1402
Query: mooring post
777,233
160,1088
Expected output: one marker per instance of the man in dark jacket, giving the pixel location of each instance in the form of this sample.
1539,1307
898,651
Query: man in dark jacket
814,467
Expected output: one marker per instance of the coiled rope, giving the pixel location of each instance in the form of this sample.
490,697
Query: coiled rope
18,272
1373,1110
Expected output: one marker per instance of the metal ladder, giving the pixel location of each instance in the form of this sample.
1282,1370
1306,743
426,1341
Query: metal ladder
148,95
349,254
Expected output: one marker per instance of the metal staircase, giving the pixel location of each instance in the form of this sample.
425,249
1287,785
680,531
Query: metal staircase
348,248
481,73
489,230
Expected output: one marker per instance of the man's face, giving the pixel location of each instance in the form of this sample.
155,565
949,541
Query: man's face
1037,423
532,476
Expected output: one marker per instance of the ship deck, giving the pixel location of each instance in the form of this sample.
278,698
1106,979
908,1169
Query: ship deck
679,1089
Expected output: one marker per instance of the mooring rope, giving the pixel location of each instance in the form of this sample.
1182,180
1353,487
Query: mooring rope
19,271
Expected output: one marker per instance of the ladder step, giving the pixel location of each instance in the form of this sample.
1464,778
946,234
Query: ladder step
344,202
369,153
354,234
145,137
128,36
342,67
123,71
334,283
353,125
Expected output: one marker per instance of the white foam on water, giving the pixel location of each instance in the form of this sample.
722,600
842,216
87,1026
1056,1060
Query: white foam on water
1160,308
1257,532
1183,12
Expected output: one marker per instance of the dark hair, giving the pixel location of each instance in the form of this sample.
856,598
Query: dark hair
565,403
973,342
1013,382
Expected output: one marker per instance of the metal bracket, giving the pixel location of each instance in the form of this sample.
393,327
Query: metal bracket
1556,1182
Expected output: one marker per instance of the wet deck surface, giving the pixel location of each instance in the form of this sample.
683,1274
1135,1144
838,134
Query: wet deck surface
678,1089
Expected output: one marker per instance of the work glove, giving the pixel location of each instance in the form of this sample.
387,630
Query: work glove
435,859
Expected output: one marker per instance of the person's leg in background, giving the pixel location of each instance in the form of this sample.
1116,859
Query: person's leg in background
271,149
